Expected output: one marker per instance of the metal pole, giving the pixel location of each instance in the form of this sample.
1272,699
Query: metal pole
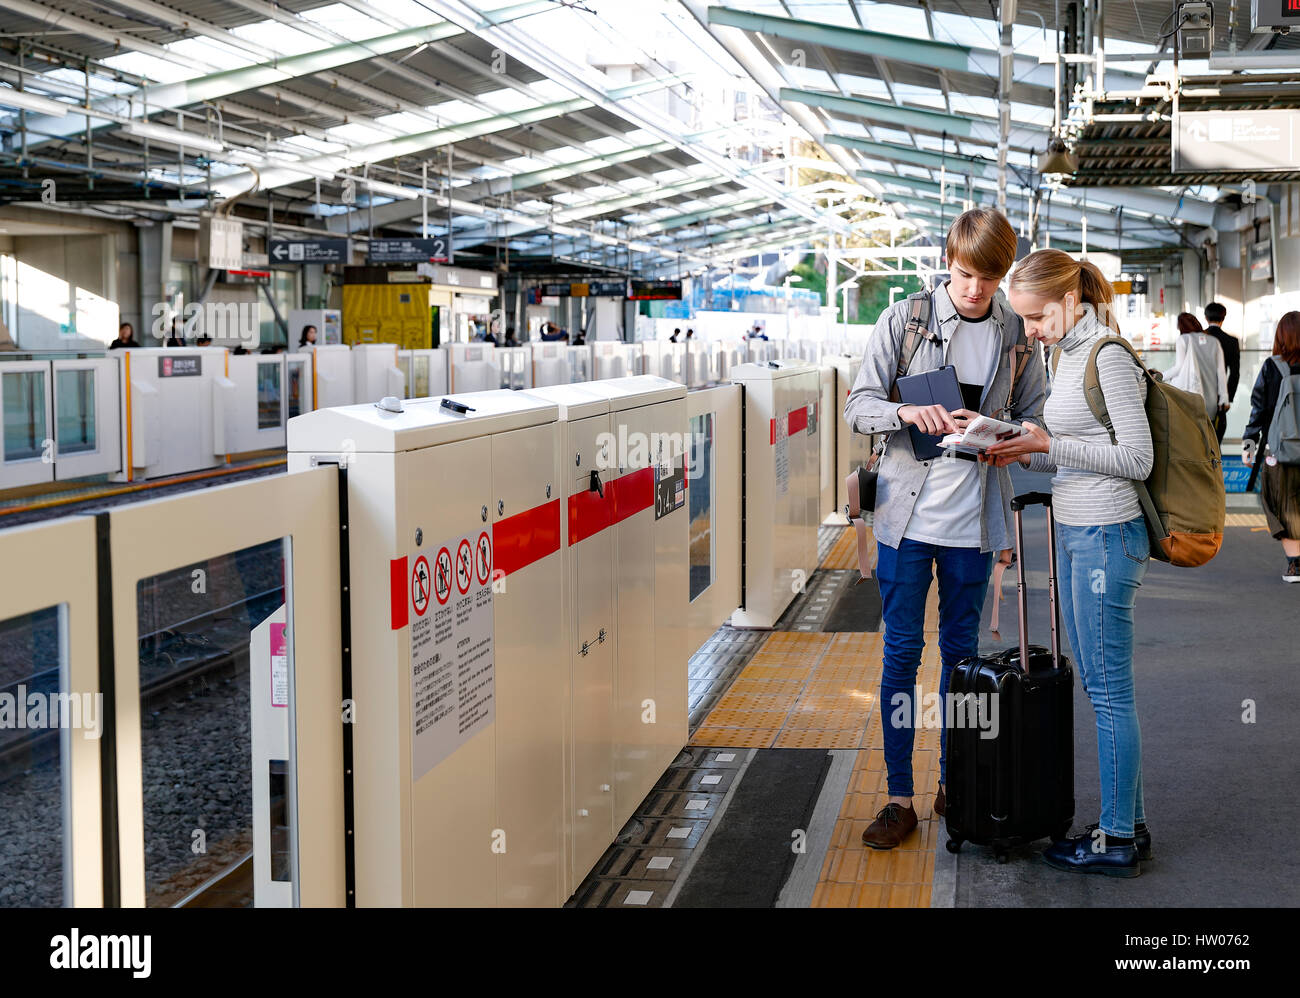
424,200
451,250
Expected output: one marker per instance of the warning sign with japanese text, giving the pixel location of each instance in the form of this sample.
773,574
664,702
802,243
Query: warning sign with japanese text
452,659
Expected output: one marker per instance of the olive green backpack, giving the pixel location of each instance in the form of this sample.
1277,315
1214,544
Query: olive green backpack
1183,498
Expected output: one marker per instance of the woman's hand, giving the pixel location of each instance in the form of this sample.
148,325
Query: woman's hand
1033,441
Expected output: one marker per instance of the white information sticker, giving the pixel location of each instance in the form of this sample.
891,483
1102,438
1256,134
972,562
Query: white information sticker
452,659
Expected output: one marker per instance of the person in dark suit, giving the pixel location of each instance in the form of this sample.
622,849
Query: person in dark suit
1214,315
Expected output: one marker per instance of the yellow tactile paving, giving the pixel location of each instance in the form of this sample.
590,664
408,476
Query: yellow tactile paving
820,690
844,552
1245,520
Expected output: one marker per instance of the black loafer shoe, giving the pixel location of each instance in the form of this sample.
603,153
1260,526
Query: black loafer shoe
1141,839
1076,856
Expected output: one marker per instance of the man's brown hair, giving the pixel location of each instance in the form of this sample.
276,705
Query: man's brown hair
983,240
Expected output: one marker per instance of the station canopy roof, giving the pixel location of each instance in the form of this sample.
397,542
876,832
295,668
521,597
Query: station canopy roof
656,136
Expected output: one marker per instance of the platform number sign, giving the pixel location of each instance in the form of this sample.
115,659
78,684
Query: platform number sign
464,566
442,576
420,586
483,559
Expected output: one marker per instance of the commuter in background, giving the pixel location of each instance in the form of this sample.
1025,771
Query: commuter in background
1214,315
1102,546
125,338
676,333
1274,432
1198,366
308,337
939,517
690,334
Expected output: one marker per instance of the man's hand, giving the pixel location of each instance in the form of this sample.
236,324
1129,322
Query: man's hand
932,419
963,417
1248,452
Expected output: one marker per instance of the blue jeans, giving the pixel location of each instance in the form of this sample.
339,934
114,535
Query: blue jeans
1100,569
904,574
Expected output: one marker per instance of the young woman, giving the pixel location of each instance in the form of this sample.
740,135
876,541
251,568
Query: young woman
1280,488
1101,538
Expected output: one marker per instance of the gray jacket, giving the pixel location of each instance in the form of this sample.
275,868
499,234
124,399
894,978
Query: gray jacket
868,410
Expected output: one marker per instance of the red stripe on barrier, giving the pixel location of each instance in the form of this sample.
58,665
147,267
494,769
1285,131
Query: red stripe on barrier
771,431
400,605
632,493
588,514
520,540
797,419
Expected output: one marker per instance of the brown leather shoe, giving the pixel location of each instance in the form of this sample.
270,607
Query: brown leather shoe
940,802
893,824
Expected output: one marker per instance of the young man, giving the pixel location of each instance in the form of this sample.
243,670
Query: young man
949,513
1214,316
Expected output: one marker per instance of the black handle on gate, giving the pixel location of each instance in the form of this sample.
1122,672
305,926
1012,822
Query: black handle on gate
595,484
1031,499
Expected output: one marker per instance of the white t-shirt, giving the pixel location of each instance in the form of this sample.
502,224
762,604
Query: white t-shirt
947,509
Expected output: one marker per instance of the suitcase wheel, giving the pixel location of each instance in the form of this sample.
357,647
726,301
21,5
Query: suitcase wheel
954,845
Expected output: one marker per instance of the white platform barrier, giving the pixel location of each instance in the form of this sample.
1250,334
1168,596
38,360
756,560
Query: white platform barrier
467,521
376,373
472,367
782,487
425,372
333,376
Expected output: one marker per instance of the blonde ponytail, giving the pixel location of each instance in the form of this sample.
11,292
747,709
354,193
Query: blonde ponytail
1097,292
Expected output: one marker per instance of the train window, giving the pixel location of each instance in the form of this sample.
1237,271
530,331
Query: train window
74,411
699,493
268,396
24,415
34,731
215,694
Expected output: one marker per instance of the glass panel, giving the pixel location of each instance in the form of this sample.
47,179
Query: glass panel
421,382
74,411
268,396
296,368
24,395
404,365
32,772
699,490
213,671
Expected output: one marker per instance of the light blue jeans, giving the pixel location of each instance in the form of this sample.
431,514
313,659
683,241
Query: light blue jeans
1100,569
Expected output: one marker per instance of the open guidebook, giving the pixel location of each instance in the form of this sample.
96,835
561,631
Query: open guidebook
981,433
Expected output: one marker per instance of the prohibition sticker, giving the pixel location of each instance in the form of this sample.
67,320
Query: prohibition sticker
483,558
442,575
420,586
452,670
464,566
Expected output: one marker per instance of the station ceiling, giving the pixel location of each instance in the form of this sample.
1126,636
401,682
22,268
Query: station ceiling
596,134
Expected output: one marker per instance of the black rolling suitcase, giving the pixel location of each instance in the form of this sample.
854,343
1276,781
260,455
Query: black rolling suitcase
1016,787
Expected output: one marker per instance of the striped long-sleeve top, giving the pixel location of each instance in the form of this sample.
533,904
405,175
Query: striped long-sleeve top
1094,482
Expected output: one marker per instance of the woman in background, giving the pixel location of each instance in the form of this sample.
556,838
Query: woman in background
1280,488
1198,366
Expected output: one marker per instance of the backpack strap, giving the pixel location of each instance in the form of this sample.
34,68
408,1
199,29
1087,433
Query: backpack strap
917,329
1017,358
1097,403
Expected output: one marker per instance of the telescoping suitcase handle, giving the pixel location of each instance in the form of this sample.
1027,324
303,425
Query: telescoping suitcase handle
1018,505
